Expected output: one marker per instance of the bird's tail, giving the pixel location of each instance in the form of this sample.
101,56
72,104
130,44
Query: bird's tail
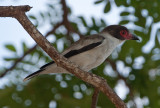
33,74
46,69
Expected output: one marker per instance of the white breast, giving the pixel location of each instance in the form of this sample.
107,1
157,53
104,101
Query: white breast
93,58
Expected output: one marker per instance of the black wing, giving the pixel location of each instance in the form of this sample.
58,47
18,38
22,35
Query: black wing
75,52
80,46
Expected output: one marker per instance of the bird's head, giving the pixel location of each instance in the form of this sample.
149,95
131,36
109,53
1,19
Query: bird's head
119,32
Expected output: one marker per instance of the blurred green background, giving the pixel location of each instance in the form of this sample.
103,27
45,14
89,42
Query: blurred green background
133,69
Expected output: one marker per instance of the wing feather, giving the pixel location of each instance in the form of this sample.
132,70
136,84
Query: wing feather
84,44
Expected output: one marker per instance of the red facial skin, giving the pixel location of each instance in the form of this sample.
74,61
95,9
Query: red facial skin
125,34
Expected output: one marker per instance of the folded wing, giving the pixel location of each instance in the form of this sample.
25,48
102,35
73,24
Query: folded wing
85,44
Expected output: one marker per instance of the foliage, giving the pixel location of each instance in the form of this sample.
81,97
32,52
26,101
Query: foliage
140,69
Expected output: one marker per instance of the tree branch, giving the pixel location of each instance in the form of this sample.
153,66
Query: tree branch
90,78
11,11
95,98
17,61
66,21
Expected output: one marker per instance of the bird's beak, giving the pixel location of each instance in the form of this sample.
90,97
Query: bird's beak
134,37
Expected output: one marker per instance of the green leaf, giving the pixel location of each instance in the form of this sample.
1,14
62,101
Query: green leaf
124,13
28,62
51,6
42,15
74,25
124,22
93,21
103,22
10,47
10,59
107,7
98,1
49,14
32,17
83,21
24,47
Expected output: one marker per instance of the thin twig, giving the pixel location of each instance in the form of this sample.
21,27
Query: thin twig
66,21
27,52
90,78
17,61
95,98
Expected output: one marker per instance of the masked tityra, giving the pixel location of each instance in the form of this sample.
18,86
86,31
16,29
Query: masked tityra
90,51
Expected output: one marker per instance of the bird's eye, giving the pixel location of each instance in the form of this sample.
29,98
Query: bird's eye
123,33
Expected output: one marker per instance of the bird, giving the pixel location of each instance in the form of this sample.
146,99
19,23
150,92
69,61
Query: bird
90,51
